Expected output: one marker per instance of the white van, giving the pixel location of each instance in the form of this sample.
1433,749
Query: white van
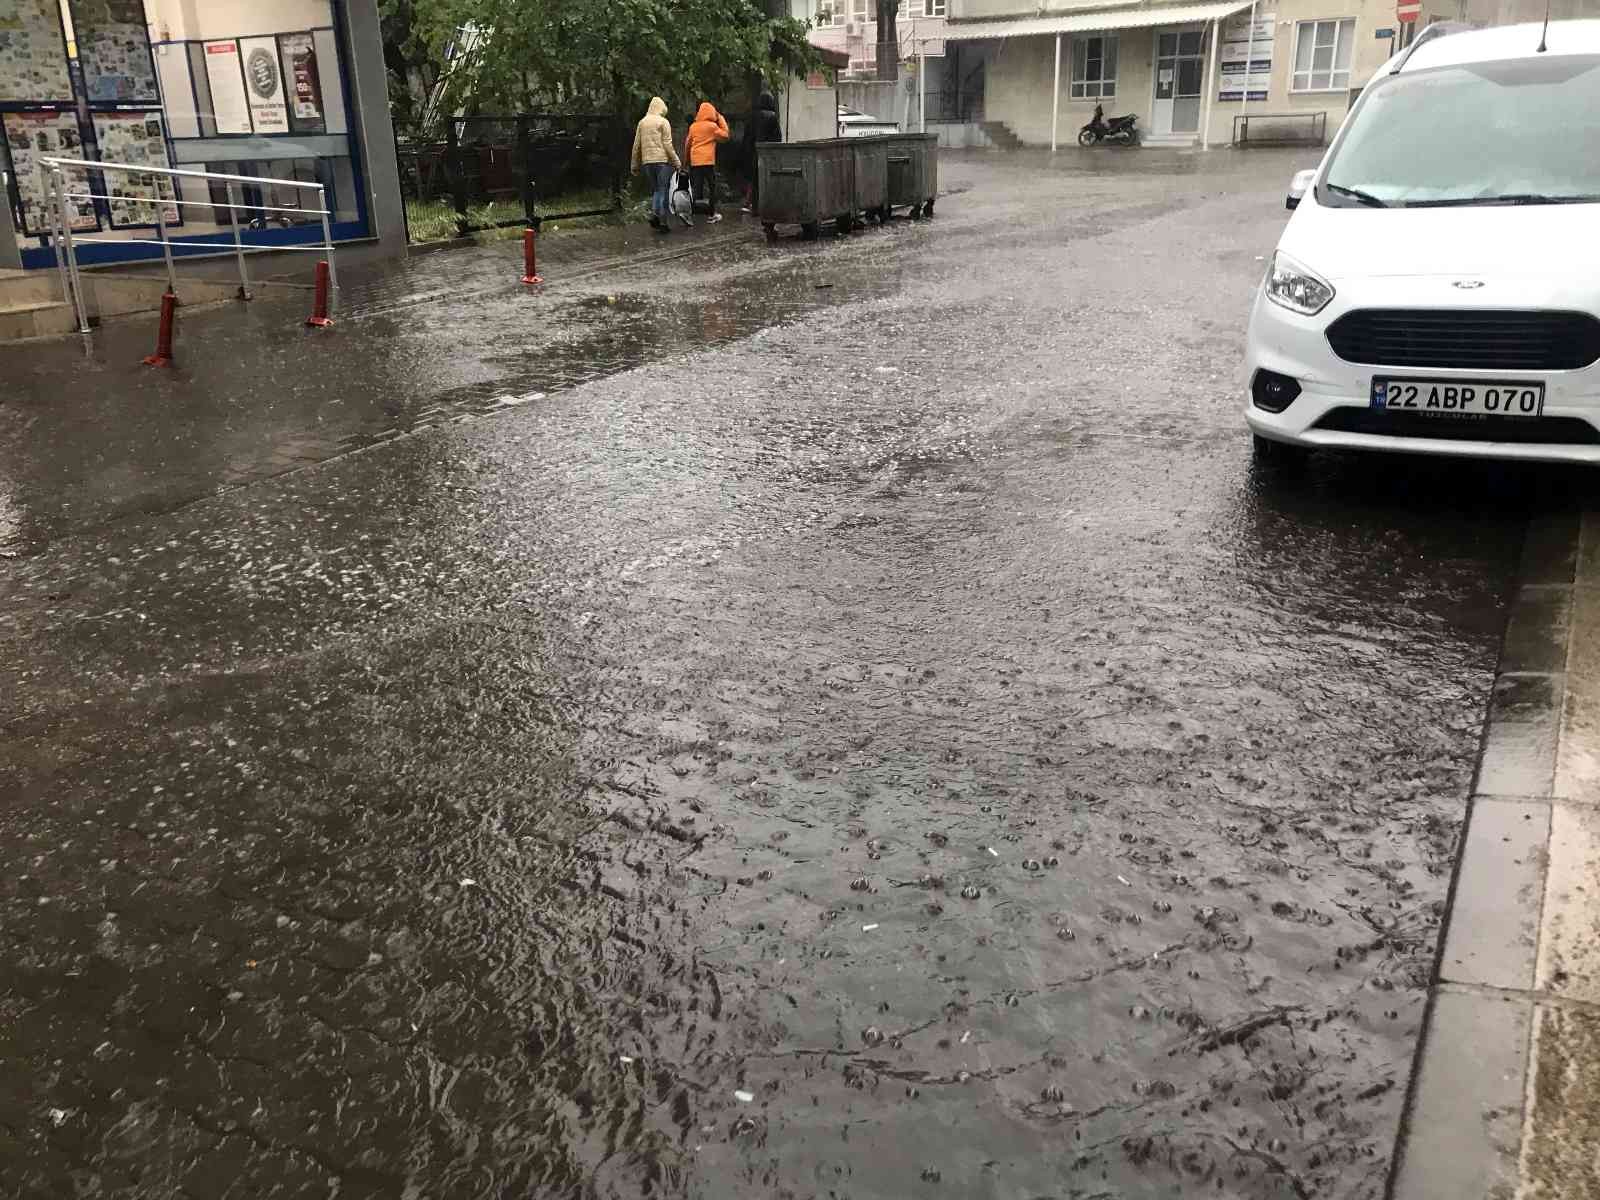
1437,290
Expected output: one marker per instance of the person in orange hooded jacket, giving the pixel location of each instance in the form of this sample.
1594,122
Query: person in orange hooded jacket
700,148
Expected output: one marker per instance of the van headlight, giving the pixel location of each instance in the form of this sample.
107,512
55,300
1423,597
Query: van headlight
1297,288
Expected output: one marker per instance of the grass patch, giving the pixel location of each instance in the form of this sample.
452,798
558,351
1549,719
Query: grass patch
435,220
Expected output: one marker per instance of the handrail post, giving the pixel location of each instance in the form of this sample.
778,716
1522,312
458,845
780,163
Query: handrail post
238,245
327,249
166,242
72,252
56,244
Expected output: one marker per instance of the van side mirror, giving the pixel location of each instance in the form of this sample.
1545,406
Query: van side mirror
1298,187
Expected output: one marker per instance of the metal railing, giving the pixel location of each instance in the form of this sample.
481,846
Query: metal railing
57,191
1281,129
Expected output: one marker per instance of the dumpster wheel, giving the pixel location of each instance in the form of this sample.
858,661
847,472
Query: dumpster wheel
927,209
808,231
771,231
844,223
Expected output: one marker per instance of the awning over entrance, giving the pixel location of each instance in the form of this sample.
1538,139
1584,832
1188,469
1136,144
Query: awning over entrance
1084,20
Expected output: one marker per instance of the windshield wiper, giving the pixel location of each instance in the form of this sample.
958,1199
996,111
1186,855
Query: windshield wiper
1510,198
1356,194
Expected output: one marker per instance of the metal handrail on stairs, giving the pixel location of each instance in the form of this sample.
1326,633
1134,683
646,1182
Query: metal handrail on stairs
62,237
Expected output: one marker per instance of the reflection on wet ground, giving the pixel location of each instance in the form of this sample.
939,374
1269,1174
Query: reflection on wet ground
878,739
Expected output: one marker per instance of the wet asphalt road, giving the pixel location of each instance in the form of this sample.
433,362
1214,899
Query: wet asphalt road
839,720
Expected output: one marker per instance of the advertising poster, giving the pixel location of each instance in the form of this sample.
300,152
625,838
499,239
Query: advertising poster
138,139
263,77
33,52
1246,64
229,108
114,51
305,88
30,137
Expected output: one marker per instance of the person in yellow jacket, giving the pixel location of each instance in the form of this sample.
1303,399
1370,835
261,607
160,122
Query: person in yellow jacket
700,148
653,151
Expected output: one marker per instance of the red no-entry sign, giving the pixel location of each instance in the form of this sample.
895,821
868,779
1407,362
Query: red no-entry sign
1408,13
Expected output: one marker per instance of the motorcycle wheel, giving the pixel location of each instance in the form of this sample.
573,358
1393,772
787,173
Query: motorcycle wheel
1086,137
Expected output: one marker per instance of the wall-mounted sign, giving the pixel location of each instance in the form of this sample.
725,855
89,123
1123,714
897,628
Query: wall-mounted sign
35,135
229,108
114,51
1246,56
135,138
1381,34
304,85
33,52
263,78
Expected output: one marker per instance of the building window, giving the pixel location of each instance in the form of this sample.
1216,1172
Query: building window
933,8
1322,52
1094,67
858,10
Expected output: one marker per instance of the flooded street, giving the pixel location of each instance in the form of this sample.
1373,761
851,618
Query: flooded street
839,719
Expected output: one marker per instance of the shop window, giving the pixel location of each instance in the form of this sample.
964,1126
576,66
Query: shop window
1322,52
1094,68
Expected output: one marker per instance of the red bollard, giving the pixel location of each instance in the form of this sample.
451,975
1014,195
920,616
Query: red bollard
530,270
319,318
163,355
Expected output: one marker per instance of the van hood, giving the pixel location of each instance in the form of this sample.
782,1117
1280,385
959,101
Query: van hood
1555,242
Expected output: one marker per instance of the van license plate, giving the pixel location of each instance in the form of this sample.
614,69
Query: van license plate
1459,397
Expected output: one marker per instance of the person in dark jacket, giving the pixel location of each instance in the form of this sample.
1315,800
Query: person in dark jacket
763,127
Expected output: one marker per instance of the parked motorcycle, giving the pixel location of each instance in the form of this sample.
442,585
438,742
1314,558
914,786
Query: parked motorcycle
1122,130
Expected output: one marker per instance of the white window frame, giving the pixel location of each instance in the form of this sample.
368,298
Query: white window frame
858,11
933,8
1104,88
1334,78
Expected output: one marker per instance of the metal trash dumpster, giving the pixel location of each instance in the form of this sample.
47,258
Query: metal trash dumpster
869,186
805,184
913,171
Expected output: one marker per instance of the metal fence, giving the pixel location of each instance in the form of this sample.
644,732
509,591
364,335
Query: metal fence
71,180
1281,129
498,172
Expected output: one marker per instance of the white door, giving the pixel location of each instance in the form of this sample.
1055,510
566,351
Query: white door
1180,71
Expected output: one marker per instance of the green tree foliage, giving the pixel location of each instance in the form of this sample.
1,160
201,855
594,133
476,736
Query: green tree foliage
603,55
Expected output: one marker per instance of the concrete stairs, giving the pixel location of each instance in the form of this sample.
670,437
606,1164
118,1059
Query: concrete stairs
31,306
1001,135
1170,141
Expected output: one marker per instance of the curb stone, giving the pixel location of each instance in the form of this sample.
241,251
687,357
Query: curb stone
1505,1096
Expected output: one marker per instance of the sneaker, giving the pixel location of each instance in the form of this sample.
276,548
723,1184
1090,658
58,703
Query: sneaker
655,221
747,209
714,218
686,219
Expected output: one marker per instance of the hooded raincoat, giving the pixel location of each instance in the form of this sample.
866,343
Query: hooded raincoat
708,129
652,140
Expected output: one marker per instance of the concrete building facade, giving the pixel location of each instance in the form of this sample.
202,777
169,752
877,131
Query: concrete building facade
1195,74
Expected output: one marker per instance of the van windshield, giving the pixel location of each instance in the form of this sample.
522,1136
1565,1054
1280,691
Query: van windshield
1525,131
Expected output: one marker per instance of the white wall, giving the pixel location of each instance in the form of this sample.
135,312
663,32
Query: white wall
179,20
1020,76
808,113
